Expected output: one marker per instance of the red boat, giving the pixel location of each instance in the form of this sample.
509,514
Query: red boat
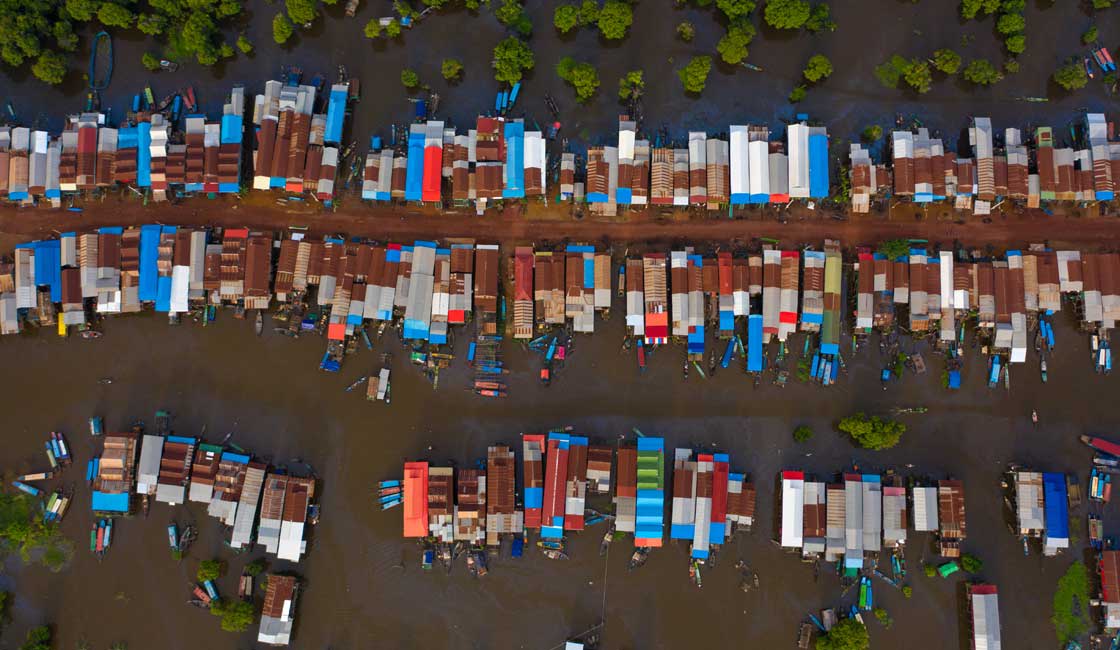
188,98
641,356
1102,445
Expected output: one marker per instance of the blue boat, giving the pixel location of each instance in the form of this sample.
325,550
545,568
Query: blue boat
470,352
513,94
96,426
517,549
173,536
27,489
108,532
211,590
727,353
100,61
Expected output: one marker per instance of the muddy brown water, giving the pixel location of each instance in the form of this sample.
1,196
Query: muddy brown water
364,584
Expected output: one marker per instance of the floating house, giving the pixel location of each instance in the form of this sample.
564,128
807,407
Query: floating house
502,516
278,613
175,469
814,520
793,509
951,519
557,450
470,506
983,604
533,478
204,471
244,523
114,473
415,499
441,504
626,489
1108,568
649,526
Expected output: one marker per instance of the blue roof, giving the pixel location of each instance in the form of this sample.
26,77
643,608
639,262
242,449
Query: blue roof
579,248
534,497
651,444
336,113
515,161
682,531
624,195
954,379
740,198
149,273
182,439
106,502
425,244
235,458
754,343
759,198
393,255
143,154
48,267
597,197
126,137
818,166
1057,512
111,230
415,329
414,171
231,129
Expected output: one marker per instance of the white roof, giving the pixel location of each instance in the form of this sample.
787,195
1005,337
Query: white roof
985,622
147,471
793,504
798,150
739,160
925,509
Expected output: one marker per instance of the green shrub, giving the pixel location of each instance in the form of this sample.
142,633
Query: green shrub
281,29
451,69
819,67
981,72
512,57
582,76
1071,76
565,18
803,433
614,19
694,76
732,47
149,61
686,31
786,14
872,432
1089,36
873,133
1071,604
244,44
631,85
947,61
410,79
372,28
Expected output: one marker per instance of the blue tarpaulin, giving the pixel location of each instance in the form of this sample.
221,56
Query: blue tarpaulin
48,267
149,253
106,502
111,230
754,343
696,340
414,171
954,379
515,161
143,154
336,113
818,166
163,282
1057,511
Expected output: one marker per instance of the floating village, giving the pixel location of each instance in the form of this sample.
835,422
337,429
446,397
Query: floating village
256,504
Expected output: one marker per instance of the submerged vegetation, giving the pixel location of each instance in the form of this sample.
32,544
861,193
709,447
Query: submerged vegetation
512,57
582,76
631,85
237,615
694,76
847,634
872,432
1071,603
22,531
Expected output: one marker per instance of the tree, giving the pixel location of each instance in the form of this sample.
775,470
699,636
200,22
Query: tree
1011,66
872,432
49,67
64,35
151,24
589,12
929,570
372,28
301,11
735,9
38,638
695,75
819,67
631,85
803,433
149,61
970,8
281,29
237,615
797,94
1071,604
512,57
1011,24
198,35
883,617
565,18
451,69
254,568
1089,36
918,76
582,76
787,14
947,61
890,72
210,570
820,19
873,133
82,10
847,634
244,44
1016,43
511,14
410,79
686,31
1102,4
393,29
732,47
114,15
907,591
614,19
981,72
971,563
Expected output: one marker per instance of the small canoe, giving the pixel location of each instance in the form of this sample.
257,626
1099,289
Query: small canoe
259,323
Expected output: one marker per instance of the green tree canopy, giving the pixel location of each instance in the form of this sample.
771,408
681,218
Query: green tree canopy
686,31
872,432
114,15
281,29
589,12
797,94
918,76
512,14
615,18
820,19
210,570
1011,24
1089,36
565,18
82,10
244,44
819,67
451,69
631,85
237,615
151,24
970,8
150,61
372,28
38,638
512,57
694,76
981,72
1071,604
847,634
947,61
732,47
1016,43
971,563
410,79
1071,76
50,67
301,11
803,433
787,14
735,9
393,29
254,568
582,76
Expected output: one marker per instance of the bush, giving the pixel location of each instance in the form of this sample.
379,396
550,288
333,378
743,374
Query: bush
787,14
686,31
819,67
803,433
1102,4
50,67
149,61
565,18
410,79
254,568
1071,604
1011,66
1089,36
907,591
981,72
244,45
873,133
893,249
582,76
1071,76
114,15
614,19
451,69
589,12
511,58
820,19
512,14
883,617
970,8
38,638
631,85
393,29
947,61
1016,43
372,28
237,615
281,29
301,11
847,634
797,94
929,570
735,9
1011,24
732,47
694,76
971,563
210,570
918,76
872,432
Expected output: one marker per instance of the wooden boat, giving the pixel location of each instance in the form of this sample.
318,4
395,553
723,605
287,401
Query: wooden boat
553,554
100,61
639,557
187,538
357,382
245,587
258,324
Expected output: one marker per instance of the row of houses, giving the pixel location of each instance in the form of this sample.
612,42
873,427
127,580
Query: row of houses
145,154
858,516
1041,504
255,504
924,170
554,287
